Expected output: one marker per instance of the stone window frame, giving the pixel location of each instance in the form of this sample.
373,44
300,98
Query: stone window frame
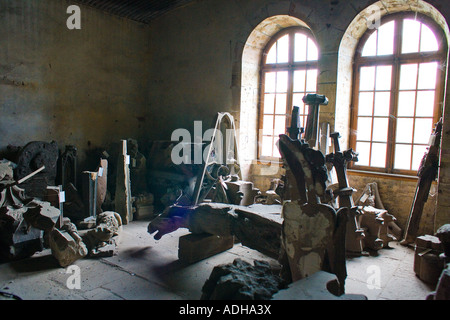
396,60
290,67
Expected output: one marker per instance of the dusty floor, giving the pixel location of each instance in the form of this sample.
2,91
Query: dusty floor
144,269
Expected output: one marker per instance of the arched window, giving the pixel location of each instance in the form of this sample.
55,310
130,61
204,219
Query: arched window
288,72
397,93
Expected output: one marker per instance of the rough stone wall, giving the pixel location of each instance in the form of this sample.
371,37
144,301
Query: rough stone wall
84,87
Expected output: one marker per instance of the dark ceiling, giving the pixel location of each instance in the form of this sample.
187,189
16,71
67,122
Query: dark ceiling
139,10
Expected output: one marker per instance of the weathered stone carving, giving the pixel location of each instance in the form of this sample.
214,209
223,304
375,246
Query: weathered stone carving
30,158
101,240
66,245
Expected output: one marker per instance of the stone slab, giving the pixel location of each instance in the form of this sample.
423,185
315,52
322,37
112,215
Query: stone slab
195,247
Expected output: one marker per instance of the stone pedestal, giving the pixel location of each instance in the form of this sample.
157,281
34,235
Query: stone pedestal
427,264
122,200
195,247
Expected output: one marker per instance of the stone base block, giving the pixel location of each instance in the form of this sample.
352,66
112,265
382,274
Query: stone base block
144,212
195,247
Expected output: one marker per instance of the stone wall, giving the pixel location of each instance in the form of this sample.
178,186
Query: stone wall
116,78
86,87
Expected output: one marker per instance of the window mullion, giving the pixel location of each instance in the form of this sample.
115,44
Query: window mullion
290,89
395,83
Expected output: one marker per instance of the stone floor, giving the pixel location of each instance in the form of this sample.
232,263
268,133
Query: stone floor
146,269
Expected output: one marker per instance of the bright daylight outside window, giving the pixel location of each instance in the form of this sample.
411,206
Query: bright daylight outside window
288,72
397,93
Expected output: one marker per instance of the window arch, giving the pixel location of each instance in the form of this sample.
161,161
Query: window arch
397,93
288,72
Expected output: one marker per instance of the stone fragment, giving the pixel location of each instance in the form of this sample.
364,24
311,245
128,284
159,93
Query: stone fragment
443,287
122,200
7,169
67,245
144,206
241,192
196,247
427,264
87,223
18,239
101,241
102,184
138,168
377,225
242,281
41,214
89,193
30,158
73,206
443,233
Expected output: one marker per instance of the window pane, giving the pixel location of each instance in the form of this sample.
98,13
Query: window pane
402,157
303,120
269,85
382,102
386,38
367,78
282,79
365,104
378,158
404,130
272,54
408,76
313,53
283,49
311,80
422,130
425,104
266,147
276,152
364,129
300,47
299,80
297,101
268,125
427,75
410,36
406,102
280,125
370,48
383,80
269,103
428,41
280,105
380,129
363,149
418,153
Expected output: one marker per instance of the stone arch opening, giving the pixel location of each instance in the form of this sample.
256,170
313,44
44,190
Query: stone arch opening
250,82
364,20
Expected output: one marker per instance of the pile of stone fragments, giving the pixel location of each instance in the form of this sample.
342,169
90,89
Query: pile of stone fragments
29,224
